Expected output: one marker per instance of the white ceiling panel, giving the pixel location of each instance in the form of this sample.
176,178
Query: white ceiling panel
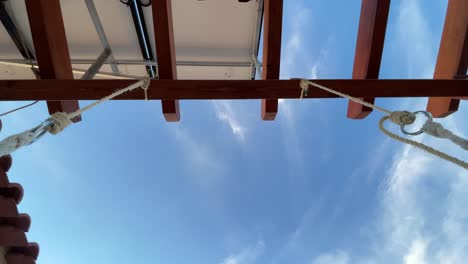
204,31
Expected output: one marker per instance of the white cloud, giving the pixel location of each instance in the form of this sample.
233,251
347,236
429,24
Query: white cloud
423,216
423,204
417,252
247,255
314,71
199,157
226,113
421,219
338,257
287,121
295,43
417,215
320,61
413,31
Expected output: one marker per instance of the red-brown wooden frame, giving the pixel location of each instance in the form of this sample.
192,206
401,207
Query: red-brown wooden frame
54,63
452,59
165,53
272,31
369,48
50,43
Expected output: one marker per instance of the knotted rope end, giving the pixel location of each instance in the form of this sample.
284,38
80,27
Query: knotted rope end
402,117
145,86
60,121
304,87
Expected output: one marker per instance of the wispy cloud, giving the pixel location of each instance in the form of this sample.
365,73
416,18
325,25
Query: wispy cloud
423,216
319,62
413,31
294,44
409,219
200,159
247,255
290,137
338,257
291,55
226,113
413,230
417,252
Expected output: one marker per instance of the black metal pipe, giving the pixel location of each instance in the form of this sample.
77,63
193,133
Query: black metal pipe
15,35
142,33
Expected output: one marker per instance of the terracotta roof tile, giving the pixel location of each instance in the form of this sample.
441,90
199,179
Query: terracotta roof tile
15,258
13,225
32,250
11,236
6,162
14,191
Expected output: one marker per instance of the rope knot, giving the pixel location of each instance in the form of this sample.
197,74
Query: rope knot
402,117
305,87
145,86
60,121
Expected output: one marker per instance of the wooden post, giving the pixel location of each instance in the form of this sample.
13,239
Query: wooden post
50,42
165,53
452,59
369,48
272,31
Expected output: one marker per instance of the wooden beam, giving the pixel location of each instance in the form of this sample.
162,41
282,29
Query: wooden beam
272,31
369,48
452,59
50,42
165,53
15,90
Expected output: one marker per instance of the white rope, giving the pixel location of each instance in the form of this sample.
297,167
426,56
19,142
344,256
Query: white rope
57,122
144,84
12,143
421,146
305,88
437,130
403,118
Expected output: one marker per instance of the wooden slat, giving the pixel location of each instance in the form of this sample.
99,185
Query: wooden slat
452,59
369,48
13,90
272,30
165,53
50,42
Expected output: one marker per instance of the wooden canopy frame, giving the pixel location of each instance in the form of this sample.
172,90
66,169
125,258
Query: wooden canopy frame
57,87
55,83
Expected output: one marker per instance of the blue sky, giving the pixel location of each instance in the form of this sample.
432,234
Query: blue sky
223,187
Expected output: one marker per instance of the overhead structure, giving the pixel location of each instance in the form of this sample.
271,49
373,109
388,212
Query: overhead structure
205,50
20,90
197,59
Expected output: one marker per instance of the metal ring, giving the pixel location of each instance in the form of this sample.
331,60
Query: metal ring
420,131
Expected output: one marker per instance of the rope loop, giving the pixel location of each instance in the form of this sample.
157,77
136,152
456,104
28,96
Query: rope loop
421,146
403,118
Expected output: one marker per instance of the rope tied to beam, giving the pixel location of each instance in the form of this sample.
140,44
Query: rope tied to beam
403,119
57,122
